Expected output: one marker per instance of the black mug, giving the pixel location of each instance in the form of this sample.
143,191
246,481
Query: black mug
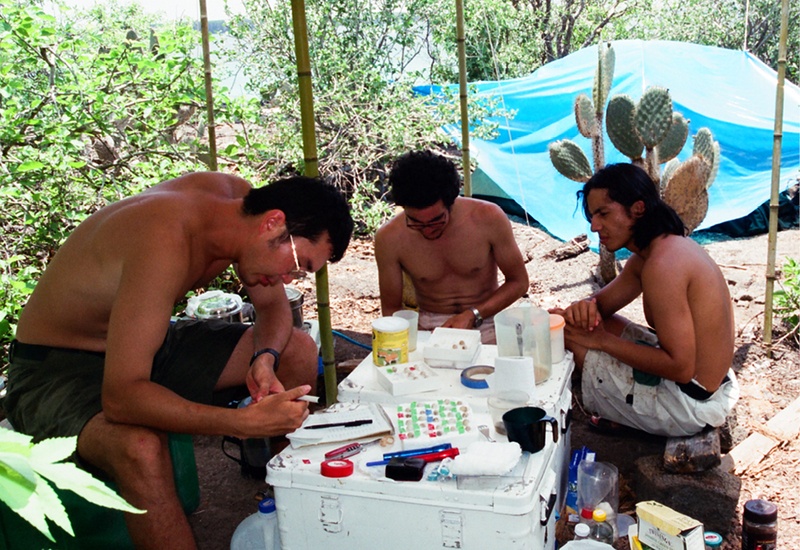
527,426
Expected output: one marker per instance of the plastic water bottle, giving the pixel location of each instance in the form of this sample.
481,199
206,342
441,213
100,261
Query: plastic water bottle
258,531
601,530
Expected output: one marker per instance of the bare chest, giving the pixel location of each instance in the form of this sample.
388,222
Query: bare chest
448,259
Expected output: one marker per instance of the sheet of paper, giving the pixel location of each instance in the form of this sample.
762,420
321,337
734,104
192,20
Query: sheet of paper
342,412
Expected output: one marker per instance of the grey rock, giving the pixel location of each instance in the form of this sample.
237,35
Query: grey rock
709,497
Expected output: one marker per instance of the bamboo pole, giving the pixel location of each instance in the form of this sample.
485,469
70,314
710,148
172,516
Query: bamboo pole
312,170
462,93
776,175
212,134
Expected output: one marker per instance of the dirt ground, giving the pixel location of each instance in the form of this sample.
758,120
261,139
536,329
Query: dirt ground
768,385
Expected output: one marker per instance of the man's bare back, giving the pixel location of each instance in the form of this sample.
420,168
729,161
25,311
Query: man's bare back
74,311
679,266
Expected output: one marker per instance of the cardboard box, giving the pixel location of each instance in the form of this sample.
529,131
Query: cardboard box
662,528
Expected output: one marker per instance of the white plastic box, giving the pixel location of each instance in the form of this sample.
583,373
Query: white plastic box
452,348
365,512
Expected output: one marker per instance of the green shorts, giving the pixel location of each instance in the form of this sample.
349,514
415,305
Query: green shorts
54,392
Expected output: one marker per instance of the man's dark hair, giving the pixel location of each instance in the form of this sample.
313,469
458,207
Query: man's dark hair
420,178
311,207
627,184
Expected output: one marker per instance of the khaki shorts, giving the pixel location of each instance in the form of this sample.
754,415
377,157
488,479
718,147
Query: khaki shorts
611,390
56,395
429,321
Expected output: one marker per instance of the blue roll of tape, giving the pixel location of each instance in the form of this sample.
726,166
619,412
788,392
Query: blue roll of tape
470,377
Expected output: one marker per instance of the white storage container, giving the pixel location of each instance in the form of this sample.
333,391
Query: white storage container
366,510
452,348
362,511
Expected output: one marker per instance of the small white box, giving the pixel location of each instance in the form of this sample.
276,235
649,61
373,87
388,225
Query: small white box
452,348
406,378
662,528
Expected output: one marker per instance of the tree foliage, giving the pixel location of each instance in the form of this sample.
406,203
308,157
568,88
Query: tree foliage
97,105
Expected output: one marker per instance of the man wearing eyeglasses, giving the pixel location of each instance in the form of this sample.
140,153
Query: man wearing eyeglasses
451,247
97,357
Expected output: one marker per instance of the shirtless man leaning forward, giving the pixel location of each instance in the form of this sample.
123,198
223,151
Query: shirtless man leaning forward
96,355
451,248
673,384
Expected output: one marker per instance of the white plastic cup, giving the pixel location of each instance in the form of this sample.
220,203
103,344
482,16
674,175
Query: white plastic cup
556,338
413,321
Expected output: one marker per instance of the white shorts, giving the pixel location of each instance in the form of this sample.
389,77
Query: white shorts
429,321
609,390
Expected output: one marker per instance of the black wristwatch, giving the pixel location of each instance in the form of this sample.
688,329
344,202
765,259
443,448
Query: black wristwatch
478,319
272,352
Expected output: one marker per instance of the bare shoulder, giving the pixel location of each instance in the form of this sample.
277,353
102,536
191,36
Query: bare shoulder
389,231
673,256
213,183
485,211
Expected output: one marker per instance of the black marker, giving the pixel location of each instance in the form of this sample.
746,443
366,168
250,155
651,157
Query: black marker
349,424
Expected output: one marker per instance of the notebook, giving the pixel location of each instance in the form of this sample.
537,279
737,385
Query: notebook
341,413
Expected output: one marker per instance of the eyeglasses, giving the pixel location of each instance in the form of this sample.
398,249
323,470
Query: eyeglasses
297,273
438,221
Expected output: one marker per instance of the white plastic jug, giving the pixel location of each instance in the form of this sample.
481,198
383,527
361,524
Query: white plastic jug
258,531
525,330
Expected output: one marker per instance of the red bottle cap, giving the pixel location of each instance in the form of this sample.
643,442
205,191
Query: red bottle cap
336,468
586,513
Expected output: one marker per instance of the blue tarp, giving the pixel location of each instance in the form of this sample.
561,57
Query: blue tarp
730,92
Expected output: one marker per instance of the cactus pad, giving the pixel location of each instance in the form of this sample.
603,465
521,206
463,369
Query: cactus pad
714,166
619,124
570,160
604,75
585,117
653,116
675,139
704,144
686,192
669,169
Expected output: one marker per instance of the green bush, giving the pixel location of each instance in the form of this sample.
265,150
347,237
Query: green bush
787,299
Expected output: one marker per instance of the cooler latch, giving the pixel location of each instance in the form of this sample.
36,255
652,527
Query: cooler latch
330,514
451,528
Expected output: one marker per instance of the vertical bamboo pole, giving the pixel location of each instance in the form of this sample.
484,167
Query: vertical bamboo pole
312,170
212,134
776,176
462,92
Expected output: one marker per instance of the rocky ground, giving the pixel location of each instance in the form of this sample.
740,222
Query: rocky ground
768,384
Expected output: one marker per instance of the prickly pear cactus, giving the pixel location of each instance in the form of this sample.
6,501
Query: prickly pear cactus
570,160
686,191
673,142
620,126
586,117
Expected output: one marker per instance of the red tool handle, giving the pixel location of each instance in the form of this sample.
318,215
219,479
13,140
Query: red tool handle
441,455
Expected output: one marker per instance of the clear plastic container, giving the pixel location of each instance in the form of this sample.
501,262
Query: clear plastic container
525,330
258,531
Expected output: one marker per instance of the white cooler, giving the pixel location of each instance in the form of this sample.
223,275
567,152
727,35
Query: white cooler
366,510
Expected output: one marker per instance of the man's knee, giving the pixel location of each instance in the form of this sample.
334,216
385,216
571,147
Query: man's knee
299,361
145,452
